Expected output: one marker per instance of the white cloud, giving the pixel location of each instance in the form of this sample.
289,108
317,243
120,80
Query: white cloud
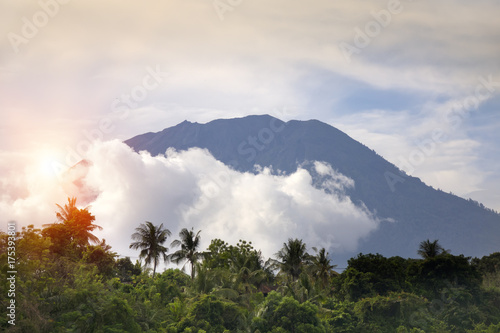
191,189
330,179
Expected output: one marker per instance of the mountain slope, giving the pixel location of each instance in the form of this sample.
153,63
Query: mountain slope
420,211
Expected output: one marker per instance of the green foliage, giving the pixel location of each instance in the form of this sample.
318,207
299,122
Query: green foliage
285,314
339,316
402,329
218,255
385,274
397,307
91,305
125,270
489,267
101,256
429,277
212,315
240,268
488,264
85,288
352,285
483,328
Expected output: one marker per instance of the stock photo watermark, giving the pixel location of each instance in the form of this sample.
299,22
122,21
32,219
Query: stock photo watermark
11,272
260,141
120,107
363,37
223,6
455,117
32,26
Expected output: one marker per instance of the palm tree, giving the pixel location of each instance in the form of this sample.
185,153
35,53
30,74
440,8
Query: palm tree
321,268
67,212
247,267
79,221
189,243
150,238
75,225
428,249
292,258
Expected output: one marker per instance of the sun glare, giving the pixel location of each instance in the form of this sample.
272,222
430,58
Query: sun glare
46,166
47,163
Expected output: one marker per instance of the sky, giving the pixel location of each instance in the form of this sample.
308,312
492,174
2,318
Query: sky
417,81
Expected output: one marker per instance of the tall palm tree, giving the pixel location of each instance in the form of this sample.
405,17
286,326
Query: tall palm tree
150,238
292,258
75,225
247,267
67,212
321,268
189,243
79,221
428,249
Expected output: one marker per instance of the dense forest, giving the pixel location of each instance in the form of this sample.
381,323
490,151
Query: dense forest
67,280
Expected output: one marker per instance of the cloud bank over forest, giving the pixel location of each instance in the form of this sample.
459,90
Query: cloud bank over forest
192,189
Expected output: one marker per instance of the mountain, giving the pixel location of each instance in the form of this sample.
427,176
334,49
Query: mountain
410,210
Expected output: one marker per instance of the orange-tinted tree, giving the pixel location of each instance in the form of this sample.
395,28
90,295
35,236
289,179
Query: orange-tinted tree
73,231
